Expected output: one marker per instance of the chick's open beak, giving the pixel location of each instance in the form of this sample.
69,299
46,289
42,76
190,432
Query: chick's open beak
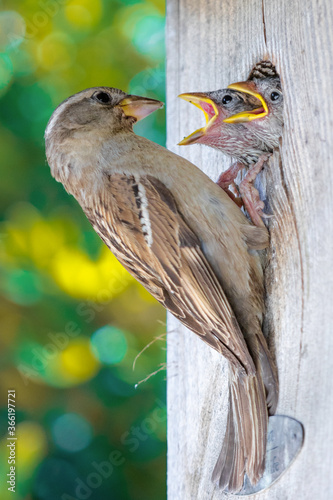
139,107
247,116
210,110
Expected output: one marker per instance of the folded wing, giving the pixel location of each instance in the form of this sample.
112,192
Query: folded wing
138,219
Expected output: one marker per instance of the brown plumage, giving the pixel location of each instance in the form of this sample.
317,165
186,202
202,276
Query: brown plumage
246,122
180,236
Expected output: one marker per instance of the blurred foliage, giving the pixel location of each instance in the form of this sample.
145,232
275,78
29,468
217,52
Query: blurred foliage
72,319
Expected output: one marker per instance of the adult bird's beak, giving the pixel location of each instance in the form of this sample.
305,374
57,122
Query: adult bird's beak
210,110
139,107
247,116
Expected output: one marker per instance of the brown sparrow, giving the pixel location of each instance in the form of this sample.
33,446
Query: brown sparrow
182,238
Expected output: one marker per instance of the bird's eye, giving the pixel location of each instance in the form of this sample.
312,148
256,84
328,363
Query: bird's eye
275,96
102,97
227,98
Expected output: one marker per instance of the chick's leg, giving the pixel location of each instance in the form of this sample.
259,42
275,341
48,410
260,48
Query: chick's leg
227,182
250,195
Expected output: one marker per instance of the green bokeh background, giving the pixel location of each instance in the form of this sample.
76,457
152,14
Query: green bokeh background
72,319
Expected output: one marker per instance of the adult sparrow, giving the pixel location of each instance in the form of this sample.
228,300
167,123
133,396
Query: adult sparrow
182,238
245,122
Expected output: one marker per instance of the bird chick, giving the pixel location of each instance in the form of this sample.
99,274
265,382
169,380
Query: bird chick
264,83
245,124
184,240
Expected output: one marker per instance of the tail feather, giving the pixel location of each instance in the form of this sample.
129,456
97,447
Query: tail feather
251,399
237,475
230,466
244,445
269,375
223,467
258,422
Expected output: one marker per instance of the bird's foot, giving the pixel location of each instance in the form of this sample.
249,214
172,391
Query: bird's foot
228,177
252,202
233,193
226,181
250,195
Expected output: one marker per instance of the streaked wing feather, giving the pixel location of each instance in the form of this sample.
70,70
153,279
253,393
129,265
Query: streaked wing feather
139,221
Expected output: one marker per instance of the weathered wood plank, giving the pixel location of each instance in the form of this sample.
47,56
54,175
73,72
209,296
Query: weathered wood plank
210,44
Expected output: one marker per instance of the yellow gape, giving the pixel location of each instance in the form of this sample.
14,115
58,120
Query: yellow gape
196,99
247,116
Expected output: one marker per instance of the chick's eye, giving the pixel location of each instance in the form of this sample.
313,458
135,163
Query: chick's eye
226,99
275,96
102,97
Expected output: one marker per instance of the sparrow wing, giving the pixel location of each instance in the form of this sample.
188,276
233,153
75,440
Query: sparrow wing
138,219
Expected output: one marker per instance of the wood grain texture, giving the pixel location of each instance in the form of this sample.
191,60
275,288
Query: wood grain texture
209,45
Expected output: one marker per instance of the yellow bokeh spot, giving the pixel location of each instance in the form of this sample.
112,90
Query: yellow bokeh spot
83,13
56,52
76,273
18,238
65,362
84,278
49,244
78,362
44,241
32,445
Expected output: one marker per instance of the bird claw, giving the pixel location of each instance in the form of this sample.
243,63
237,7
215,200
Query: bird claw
266,216
226,181
258,204
252,202
228,177
249,196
